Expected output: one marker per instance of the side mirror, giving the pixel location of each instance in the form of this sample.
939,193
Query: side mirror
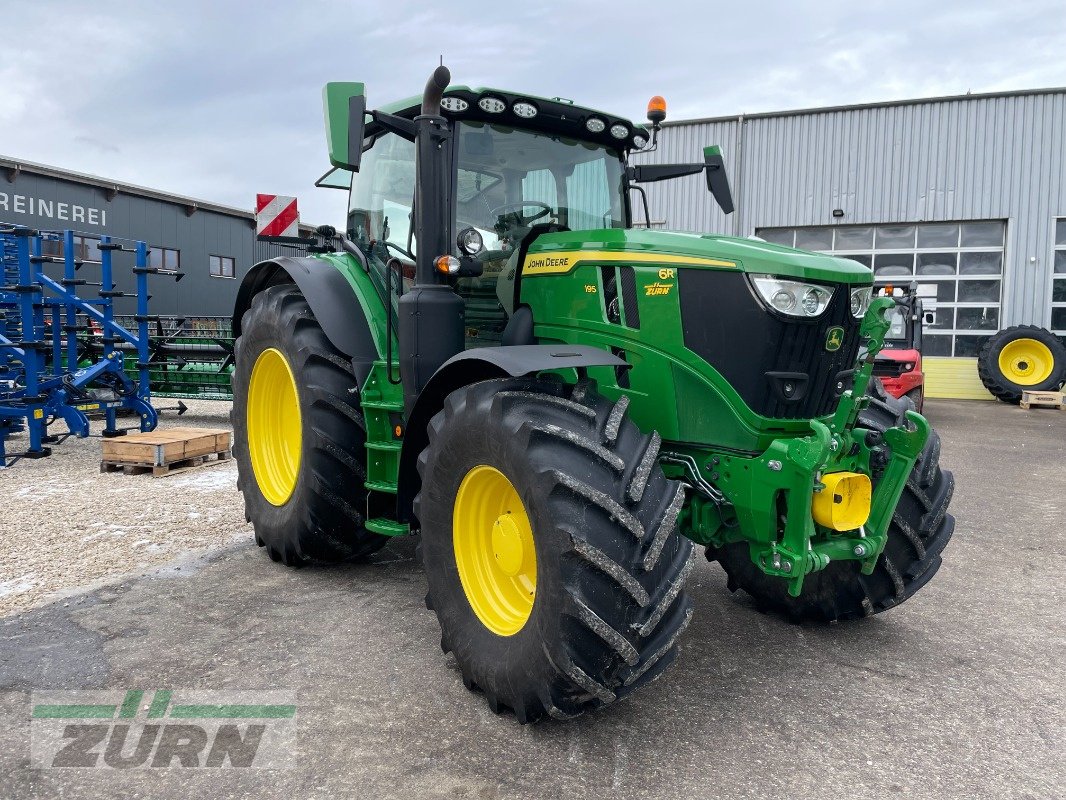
717,180
344,106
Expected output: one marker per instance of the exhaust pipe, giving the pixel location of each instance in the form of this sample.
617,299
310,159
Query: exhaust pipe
431,314
434,92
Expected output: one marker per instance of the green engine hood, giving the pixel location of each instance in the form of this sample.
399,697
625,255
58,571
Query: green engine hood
749,255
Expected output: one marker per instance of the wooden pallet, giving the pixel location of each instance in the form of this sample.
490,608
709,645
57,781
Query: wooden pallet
165,452
1043,399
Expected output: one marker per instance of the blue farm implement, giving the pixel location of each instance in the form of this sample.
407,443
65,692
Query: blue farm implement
45,377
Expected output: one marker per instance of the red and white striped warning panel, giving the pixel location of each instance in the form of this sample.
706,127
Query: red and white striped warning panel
276,215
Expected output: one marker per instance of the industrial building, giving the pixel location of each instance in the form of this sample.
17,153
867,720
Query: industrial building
966,193
212,244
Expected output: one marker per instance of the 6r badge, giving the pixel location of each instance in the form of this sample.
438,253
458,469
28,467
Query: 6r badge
834,338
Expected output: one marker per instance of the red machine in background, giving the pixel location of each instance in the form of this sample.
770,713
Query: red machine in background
899,364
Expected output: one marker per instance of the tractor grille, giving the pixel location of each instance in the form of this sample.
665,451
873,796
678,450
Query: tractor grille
779,365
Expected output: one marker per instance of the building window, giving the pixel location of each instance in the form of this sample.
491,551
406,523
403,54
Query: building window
1058,280
86,248
164,258
222,267
964,260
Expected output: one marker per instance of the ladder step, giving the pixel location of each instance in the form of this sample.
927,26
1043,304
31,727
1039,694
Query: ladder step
379,486
387,527
392,447
384,406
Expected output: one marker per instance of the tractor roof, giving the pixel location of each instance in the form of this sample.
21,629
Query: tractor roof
552,115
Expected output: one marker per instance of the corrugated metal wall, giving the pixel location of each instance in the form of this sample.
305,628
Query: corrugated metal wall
969,158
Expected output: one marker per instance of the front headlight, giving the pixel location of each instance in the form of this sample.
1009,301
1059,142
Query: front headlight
795,298
860,301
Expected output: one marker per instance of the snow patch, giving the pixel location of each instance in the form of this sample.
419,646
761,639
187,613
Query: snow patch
208,480
18,585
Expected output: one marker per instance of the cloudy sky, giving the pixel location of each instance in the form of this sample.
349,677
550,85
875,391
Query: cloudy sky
221,99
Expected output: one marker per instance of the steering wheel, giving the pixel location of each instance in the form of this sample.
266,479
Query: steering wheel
516,208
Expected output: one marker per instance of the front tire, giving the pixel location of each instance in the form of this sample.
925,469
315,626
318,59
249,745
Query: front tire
566,497
298,435
918,533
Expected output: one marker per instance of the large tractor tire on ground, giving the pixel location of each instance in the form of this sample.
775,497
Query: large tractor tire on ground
917,535
298,435
550,545
1022,358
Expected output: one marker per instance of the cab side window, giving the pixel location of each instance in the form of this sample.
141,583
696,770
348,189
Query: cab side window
379,207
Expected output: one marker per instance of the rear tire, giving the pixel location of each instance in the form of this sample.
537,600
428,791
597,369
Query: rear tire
608,608
918,533
322,518
1022,358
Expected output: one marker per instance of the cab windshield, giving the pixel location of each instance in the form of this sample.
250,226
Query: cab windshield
897,330
510,180
507,181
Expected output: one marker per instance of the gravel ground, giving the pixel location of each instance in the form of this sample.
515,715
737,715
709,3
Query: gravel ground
957,695
65,525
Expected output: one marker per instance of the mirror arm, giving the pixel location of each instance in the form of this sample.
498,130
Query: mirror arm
649,173
401,126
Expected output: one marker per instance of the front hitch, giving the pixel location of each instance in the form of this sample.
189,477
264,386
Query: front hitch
774,494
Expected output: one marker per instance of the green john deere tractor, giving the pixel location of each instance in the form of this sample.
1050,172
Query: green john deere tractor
561,404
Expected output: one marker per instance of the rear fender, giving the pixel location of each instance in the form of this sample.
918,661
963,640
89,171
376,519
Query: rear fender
331,298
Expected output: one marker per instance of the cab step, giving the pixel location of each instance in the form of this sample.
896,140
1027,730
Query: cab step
380,486
387,527
389,447
383,405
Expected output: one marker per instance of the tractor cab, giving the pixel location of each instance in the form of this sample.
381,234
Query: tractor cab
520,167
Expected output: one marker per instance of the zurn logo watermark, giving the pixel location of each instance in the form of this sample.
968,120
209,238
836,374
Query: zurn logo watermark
163,729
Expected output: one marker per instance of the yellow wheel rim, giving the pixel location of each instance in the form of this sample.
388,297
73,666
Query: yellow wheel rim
494,550
1026,362
274,428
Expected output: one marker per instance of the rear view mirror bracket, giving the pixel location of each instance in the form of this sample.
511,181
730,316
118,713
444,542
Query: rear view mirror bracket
713,167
